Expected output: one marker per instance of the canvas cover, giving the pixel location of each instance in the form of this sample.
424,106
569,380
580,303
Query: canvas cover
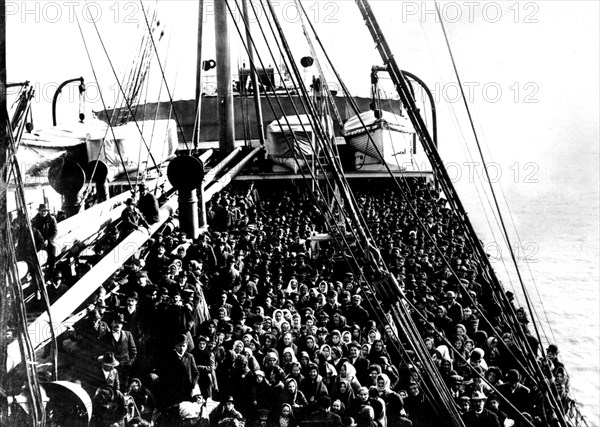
283,149
353,125
160,136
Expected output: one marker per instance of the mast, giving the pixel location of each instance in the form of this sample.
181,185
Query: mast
224,87
199,72
3,212
254,75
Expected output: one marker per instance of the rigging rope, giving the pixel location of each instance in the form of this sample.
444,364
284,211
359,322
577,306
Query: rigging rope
103,103
127,101
527,299
319,205
162,72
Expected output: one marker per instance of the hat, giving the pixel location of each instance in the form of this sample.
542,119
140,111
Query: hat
312,366
477,354
129,201
477,395
354,344
133,295
259,373
119,317
108,359
43,207
202,338
494,397
450,294
513,376
229,399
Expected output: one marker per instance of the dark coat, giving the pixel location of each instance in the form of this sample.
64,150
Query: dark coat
205,362
124,349
109,412
97,379
46,226
177,376
361,365
520,397
486,419
313,389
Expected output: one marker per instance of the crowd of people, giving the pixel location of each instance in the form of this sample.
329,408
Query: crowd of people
270,322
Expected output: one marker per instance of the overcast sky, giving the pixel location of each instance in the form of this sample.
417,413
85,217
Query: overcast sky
530,69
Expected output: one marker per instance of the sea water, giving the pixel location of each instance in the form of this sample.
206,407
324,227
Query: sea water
557,218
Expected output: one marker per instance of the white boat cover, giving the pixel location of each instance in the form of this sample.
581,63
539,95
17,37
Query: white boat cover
353,125
160,136
387,140
39,148
283,149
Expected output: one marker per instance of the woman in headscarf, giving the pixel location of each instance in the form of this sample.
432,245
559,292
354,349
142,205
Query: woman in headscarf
377,350
337,357
278,318
238,346
295,372
326,350
447,372
356,334
360,401
268,343
291,288
293,396
326,370
393,402
285,327
287,359
285,417
335,337
365,349
348,372
338,321
343,391
373,335
378,406
346,340
252,362
338,408
458,345
323,287
304,360
273,372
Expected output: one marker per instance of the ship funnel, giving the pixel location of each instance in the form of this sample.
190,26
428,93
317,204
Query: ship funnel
67,178
185,174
